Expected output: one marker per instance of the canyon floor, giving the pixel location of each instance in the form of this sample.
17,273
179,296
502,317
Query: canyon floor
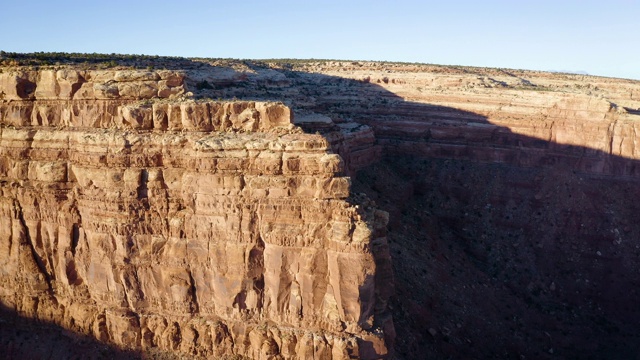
511,201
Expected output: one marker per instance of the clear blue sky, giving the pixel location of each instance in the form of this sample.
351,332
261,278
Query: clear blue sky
599,37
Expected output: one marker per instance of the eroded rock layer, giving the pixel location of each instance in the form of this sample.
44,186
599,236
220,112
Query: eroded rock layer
206,228
140,211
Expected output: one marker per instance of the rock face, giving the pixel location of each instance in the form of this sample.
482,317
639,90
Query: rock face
140,212
207,228
523,118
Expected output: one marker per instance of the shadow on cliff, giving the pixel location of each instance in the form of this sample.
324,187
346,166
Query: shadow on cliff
503,245
396,120
25,338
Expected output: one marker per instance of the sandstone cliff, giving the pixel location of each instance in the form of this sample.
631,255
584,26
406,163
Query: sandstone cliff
209,228
140,211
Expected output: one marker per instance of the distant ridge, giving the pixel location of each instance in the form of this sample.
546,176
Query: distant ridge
579,72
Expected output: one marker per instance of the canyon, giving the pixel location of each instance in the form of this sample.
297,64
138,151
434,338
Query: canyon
317,209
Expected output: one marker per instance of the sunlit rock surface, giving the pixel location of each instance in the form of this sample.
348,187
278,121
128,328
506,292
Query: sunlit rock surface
207,228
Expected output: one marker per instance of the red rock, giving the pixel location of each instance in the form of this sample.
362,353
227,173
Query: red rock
236,230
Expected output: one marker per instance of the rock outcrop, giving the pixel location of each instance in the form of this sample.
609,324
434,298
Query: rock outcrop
141,212
207,228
